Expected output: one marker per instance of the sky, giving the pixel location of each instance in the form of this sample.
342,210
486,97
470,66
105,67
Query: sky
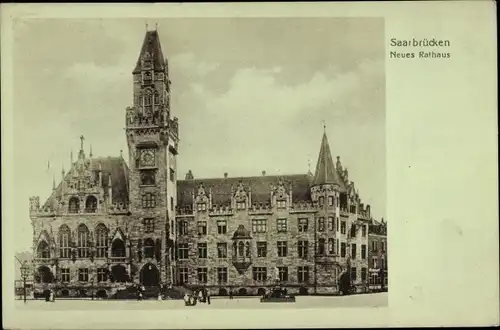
251,94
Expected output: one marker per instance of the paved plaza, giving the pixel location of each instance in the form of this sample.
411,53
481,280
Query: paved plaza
361,300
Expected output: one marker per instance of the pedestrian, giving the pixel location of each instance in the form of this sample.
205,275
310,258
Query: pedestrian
230,294
208,297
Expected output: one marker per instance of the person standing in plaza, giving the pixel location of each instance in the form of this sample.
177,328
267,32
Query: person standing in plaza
208,296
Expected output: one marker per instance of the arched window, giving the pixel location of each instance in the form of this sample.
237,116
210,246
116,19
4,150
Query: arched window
118,248
157,97
241,249
74,205
148,98
64,242
101,241
321,246
247,249
83,241
91,204
43,250
149,248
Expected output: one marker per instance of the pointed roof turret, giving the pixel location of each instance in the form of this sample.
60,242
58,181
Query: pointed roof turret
325,170
150,52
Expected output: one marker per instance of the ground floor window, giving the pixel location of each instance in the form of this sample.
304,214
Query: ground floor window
222,275
83,274
183,274
259,273
65,277
303,274
102,275
202,275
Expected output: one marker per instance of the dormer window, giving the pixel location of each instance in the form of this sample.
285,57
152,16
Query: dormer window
321,201
202,207
330,200
281,204
241,205
91,205
74,205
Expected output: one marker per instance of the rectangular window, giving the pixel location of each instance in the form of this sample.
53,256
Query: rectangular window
102,274
331,245
83,274
65,277
374,263
338,224
183,274
331,223
363,251
149,225
202,275
374,246
202,227
259,273
353,209
282,248
303,225
342,250
353,273
259,225
241,206
382,263
353,230
148,200
364,231
303,274
321,201
183,251
321,246
221,227
281,204
321,224
221,250
182,227
171,203
202,250
382,246
330,200
353,251
302,248
172,175
262,249
202,207
281,225
222,274
283,274
343,227
363,274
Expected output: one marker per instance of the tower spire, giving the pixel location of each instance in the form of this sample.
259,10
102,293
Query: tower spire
54,182
71,157
325,170
81,154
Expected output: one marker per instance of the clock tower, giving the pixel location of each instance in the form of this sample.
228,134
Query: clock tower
152,138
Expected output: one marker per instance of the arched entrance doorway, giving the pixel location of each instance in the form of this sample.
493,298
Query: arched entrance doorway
150,276
119,274
44,275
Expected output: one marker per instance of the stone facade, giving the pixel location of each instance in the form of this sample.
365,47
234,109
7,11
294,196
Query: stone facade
111,222
378,265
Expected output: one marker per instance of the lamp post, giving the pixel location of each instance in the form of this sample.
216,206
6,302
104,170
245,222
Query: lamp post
24,276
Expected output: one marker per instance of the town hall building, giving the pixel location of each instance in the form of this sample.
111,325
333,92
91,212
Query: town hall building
112,222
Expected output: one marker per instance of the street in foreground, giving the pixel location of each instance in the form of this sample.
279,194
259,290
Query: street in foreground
362,300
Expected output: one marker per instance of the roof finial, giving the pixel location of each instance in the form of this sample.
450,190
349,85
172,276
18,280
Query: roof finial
90,153
81,142
146,26
121,153
156,26
71,157
324,126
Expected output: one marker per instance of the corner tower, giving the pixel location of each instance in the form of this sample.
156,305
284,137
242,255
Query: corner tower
152,138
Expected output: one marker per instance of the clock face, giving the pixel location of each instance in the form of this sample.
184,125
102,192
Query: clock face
147,157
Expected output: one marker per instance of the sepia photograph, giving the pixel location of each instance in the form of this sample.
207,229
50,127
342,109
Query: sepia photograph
219,161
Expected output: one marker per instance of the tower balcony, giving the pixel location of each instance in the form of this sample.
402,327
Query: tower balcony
241,263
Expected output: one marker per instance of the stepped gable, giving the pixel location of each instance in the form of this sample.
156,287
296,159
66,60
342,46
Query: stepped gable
111,166
260,187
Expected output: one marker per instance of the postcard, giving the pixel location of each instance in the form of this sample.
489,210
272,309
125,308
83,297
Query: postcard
249,165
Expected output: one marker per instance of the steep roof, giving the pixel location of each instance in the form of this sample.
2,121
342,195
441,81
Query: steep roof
110,166
325,170
260,188
152,46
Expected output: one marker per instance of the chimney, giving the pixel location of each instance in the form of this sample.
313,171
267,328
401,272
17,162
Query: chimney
225,175
263,173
